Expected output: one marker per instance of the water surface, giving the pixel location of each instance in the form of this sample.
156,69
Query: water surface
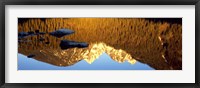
104,62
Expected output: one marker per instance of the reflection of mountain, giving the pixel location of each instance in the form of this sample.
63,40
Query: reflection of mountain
104,62
73,55
156,44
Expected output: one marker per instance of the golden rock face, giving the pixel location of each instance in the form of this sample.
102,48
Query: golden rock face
96,49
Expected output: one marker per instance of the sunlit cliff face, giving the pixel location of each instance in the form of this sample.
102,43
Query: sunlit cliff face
96,49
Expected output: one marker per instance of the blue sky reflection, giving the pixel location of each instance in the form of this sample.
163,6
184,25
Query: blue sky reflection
104,62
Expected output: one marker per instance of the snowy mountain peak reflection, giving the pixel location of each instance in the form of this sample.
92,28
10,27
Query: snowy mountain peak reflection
96,49
73,55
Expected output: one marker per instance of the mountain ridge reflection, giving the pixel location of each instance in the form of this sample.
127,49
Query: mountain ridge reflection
104,62
73,55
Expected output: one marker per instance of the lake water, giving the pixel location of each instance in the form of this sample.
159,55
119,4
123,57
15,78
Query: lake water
104,62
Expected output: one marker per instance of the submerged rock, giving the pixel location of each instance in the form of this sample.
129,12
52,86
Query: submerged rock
30,33
41,33
61,32
22,34
31,55
65,44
